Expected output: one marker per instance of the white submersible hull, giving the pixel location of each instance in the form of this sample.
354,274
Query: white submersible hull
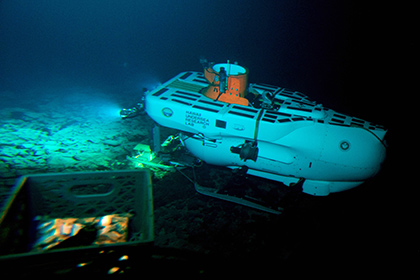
274,132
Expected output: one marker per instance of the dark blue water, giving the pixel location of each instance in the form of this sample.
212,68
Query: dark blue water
330,50
316,47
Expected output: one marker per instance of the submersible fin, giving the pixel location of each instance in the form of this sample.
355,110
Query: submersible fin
213,193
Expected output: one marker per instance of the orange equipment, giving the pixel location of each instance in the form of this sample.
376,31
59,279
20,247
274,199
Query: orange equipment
228,83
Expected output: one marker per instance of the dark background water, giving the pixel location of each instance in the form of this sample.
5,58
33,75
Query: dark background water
326,49
336,52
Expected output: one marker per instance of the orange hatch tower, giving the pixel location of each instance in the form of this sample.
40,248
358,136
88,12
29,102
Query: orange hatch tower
228,83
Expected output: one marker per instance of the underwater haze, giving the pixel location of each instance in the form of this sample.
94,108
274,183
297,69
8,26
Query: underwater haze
68,67
325,49
305,45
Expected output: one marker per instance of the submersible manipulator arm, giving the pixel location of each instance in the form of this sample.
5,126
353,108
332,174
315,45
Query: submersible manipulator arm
136,110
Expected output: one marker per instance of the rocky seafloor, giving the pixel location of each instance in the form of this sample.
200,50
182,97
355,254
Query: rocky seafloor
65,134
81,131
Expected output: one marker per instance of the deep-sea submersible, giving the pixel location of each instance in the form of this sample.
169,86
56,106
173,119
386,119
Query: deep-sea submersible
268,131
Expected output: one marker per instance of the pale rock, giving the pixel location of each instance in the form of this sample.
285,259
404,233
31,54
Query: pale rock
112,143
9,151
60,161
28,145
